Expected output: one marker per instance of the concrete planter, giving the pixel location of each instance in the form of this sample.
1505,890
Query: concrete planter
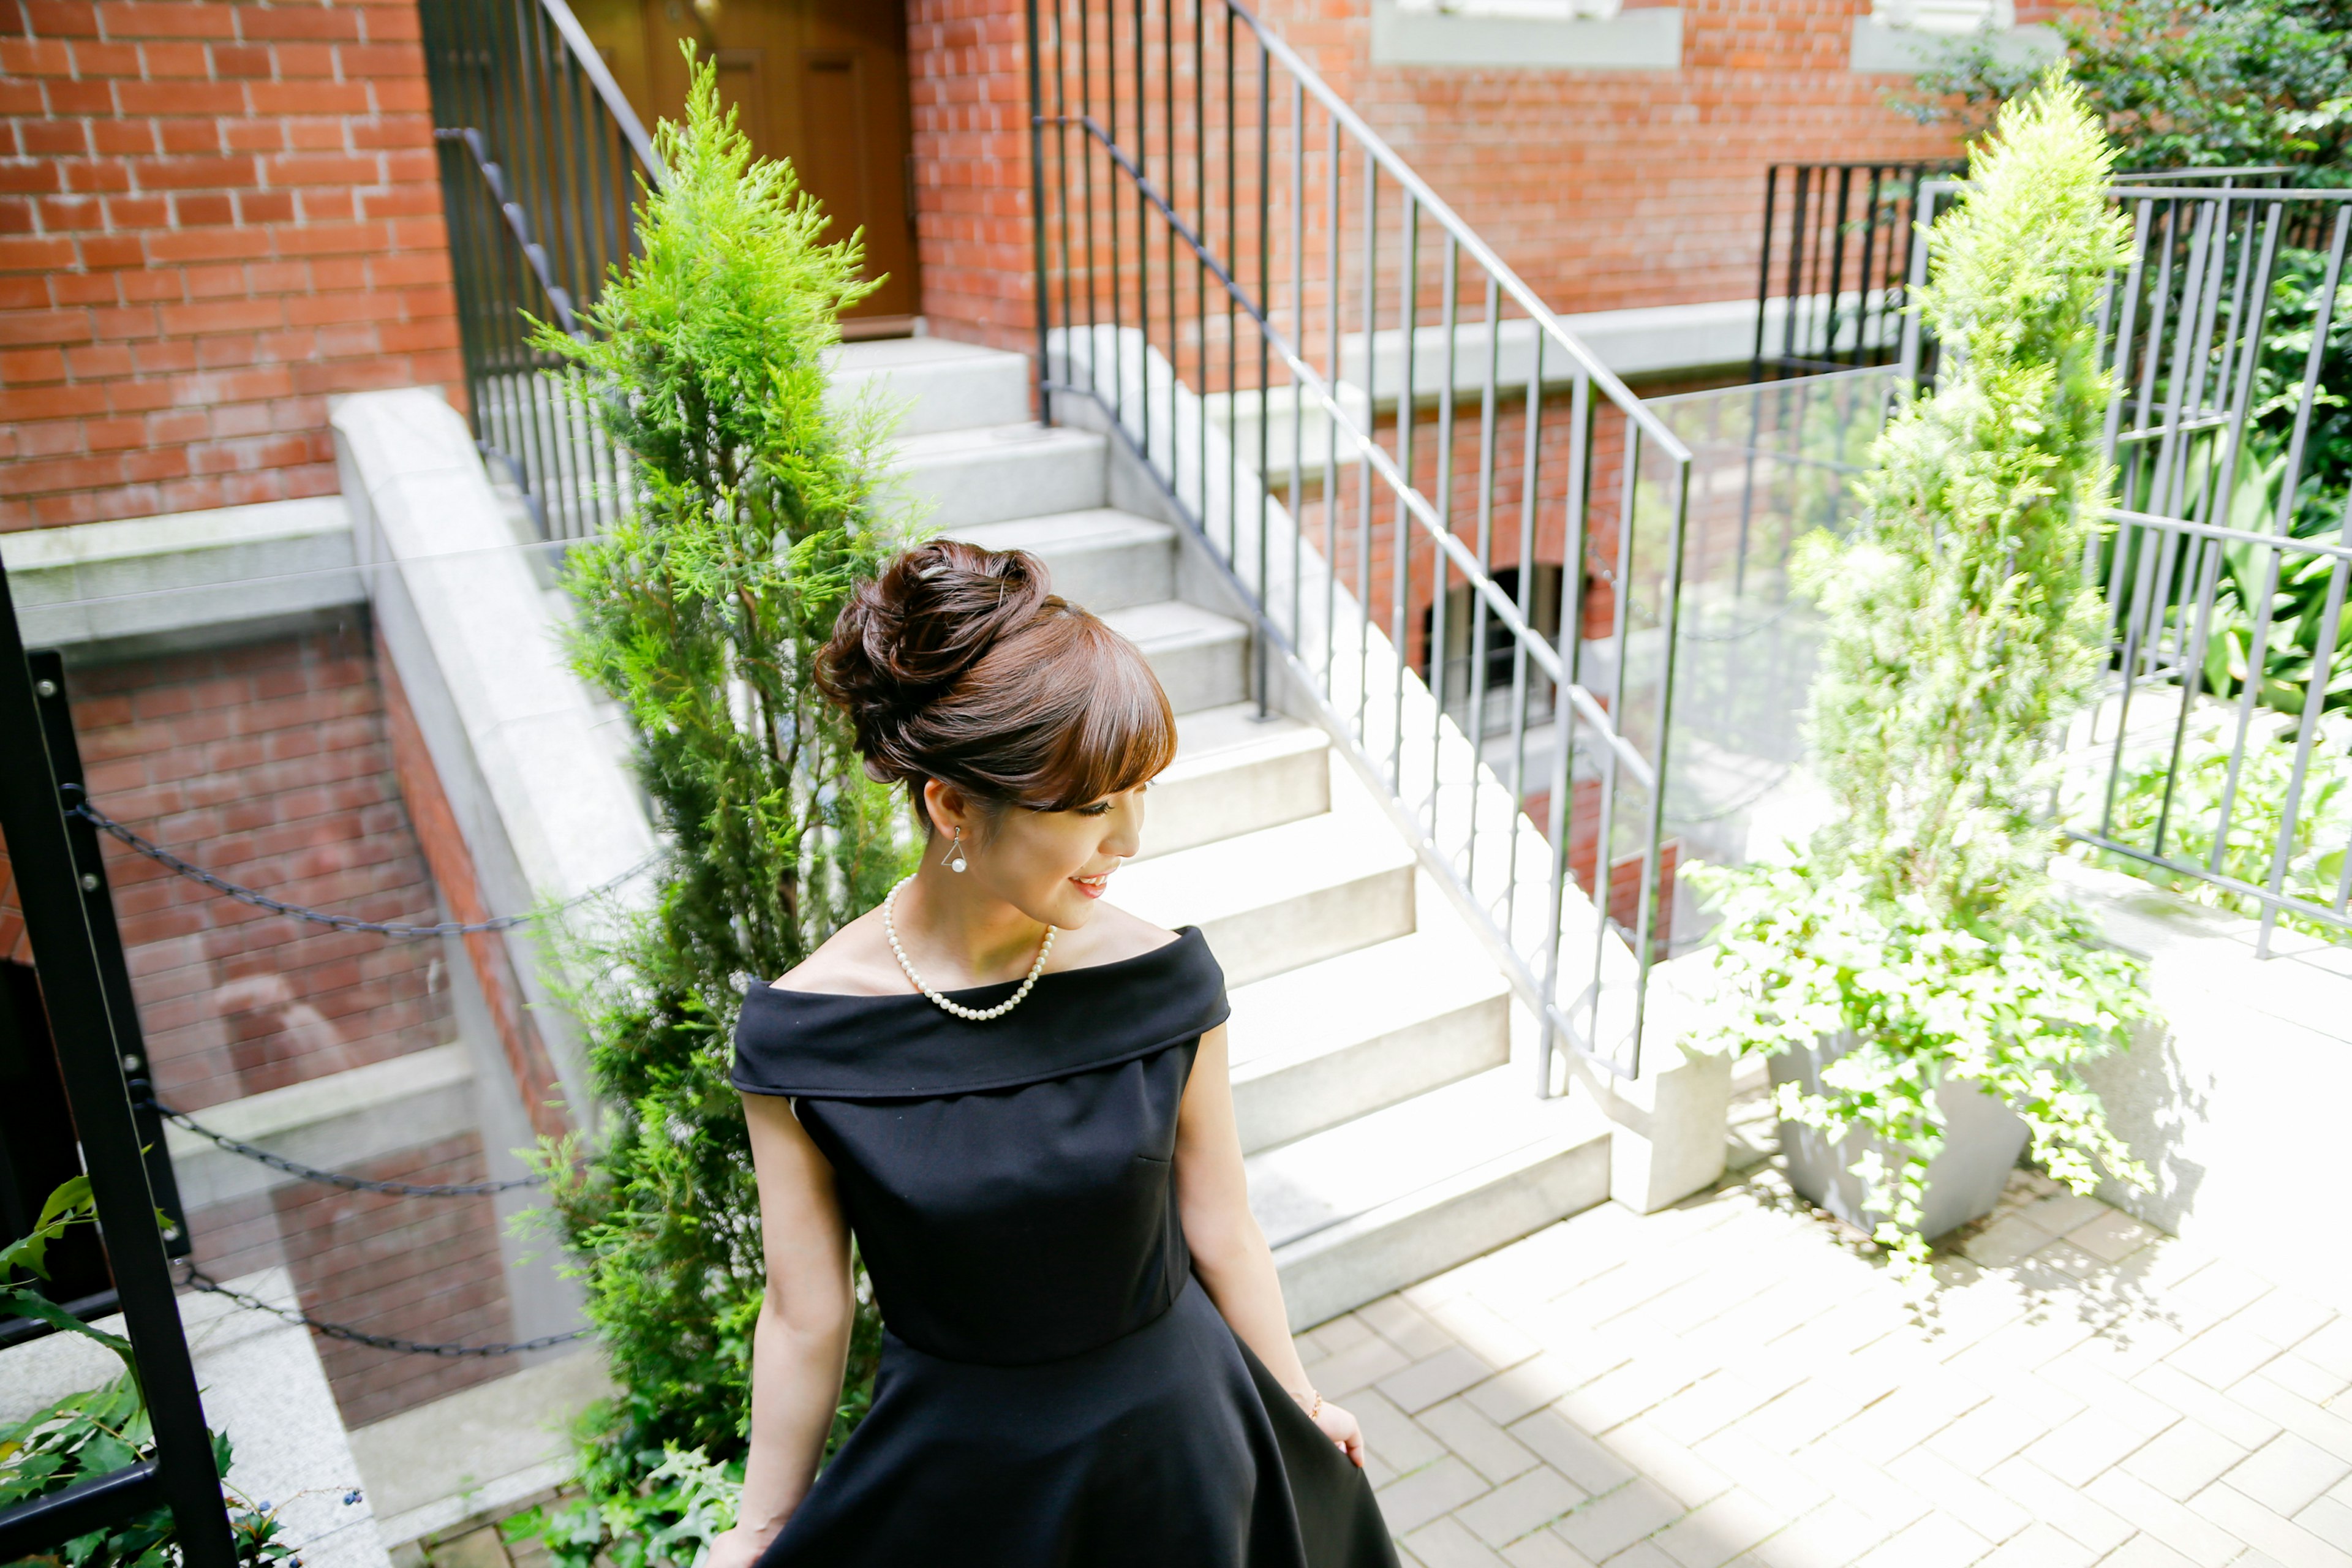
1982,1138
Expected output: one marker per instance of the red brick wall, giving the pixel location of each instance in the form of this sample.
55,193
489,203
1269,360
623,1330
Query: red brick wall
212,216
1605,189
270,762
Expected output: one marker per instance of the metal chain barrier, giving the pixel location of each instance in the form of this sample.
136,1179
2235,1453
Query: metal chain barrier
336,1178
196,1279
79,803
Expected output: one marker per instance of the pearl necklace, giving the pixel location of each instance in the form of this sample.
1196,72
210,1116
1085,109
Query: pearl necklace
977,1015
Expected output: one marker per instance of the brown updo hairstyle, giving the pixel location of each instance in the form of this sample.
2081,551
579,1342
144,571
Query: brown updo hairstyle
961,664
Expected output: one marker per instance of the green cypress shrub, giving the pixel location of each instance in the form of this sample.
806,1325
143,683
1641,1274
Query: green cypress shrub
754,509
1921,921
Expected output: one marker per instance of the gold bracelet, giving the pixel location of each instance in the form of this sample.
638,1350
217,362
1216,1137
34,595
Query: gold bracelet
1314,1409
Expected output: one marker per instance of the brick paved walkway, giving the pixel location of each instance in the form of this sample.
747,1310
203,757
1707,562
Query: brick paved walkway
1734,1381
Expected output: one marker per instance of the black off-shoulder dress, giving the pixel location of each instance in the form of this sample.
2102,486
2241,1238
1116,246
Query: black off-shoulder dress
1057,1390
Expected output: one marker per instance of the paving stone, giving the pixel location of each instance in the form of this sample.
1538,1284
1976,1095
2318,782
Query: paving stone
1336,1376
1709,1405
2184,1459
1641,1554
1829,1537
1641,1384
1751,1465
2331,1347
1341,1333
1987,1434
1916,1410
1571,1451
1391,1435
2039,1546
2053,1502
1544,1548
2112,1235
1531,1384
2150,1512
2323,1428
1409,1503
2330,1521
2282,1540
2223,1356
2305,1378
1713,1535
2221,1287
1659,1457
1441,1377
1484,1446
2230,1417
1989,1513
2285,1318
1520,1507
2287,1473
2145,1552
476,1548
1606,1525
1405,1326
1937,1541
1476,1329
2126,1401
1444,1543
1852,1478
2004,1242
2084,1446
2063,1213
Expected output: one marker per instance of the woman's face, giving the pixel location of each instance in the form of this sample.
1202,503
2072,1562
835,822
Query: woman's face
1053,865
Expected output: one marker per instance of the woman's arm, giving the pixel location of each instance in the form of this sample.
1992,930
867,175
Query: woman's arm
1229,1250
802,1339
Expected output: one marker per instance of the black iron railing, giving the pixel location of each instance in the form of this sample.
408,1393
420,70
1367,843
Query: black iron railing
540,159
1832,281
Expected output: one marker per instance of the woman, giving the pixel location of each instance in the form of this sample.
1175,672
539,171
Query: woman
1015,1097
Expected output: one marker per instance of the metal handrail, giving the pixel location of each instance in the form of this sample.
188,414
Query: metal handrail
1129,372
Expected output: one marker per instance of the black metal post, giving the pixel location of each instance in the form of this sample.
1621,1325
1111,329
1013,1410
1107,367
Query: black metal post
89,1052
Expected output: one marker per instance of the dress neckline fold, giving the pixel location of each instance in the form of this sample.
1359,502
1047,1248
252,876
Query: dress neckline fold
829,1045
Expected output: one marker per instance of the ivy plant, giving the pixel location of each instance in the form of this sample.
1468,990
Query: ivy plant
1920,929
753,510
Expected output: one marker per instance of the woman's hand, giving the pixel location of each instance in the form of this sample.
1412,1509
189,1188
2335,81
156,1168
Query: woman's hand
1341,1427
738,1548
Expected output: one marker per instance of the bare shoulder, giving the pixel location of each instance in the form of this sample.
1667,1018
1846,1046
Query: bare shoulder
854,961
1112,935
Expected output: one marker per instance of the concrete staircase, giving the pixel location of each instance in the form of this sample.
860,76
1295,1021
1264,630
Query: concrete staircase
1390,1132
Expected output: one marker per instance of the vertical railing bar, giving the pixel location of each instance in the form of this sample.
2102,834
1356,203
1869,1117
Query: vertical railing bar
1333,218
1559,815
1259,644
1835,311
1298,334
1476,609
1440,573
1044,285
1653,852
1764,270
1371,286
1529,487
1401,546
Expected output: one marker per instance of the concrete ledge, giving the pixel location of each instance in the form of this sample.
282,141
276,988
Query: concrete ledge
263,1385
480,1454
1908,51
1648,39
332,1122
151,575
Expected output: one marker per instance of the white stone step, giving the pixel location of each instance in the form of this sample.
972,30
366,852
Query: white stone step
1235,773
939,385
1394,1197
1201,657
1100,558
996,473
1366,1030
1282,897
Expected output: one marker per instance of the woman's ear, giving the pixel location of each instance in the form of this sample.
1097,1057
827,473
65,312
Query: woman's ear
949,807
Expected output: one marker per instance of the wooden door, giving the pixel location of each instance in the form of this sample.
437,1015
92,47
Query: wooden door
821,82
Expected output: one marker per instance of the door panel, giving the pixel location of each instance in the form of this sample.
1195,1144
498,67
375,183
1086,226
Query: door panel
821,82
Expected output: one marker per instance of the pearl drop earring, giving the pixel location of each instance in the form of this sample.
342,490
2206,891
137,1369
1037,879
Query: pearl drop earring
953,860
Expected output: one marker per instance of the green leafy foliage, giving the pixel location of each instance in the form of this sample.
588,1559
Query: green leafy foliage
669,1521
754,512
103,1429
2188,802
1921,922
2182,83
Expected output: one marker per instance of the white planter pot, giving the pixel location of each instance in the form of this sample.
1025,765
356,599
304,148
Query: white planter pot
1982,1138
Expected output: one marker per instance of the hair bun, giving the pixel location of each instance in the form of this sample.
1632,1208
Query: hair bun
905,638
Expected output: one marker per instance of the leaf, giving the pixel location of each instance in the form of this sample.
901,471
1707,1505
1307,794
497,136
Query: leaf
26,1304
